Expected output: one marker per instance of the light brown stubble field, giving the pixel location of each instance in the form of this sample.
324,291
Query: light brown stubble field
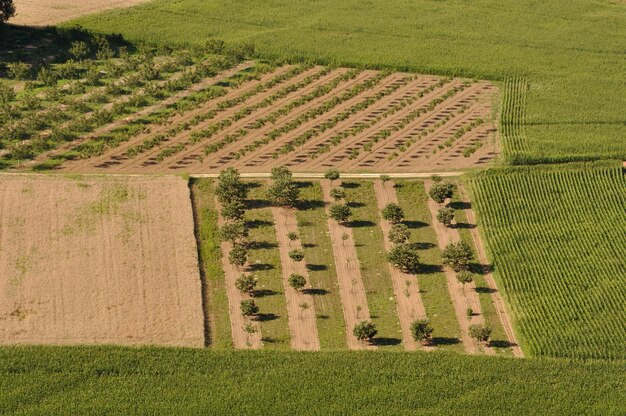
96,260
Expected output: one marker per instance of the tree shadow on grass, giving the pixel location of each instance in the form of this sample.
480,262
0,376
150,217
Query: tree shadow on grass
350,185
264,292
309,204
316,267
483,289
414,224
261,245
258,224
304,184
497,343
257,267
430,268
384,341
460,205
264,317
354,204
315,291
309,245
257,203
361,224
422,246
445,341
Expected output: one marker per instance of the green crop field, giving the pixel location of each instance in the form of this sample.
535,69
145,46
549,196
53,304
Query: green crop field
556,235
563,49
70,381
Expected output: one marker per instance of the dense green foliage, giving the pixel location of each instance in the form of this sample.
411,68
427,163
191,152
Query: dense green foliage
562,48
70,381
556,235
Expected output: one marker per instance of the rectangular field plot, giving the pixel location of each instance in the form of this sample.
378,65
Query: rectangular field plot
311,118
98,261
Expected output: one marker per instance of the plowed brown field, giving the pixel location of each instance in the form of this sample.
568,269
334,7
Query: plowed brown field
316,118
98,260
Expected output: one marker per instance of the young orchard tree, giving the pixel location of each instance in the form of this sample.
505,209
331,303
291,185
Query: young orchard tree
18,70
292,236
246,283
79,50
296,255
230,187
340,213
421,330
7,10
405,258
445,216
234,232
238,256
364,330
337,194
393,213
440,191
280,173
7,94
399,233
331,175
457,256
283,193
480,333
233,210
248,307
465,276
384,178
296,281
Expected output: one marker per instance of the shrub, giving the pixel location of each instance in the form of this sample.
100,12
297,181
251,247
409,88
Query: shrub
238,256
18,70
340,212
364,330
331,175
440,191
234,231
337,194
405,258
79,50
393,213
248,307
399,233
480,333
296,255
246,283
297,281
7,94
421,330
457,256
385,178
46,76
445,216
465,276
292,236
7,10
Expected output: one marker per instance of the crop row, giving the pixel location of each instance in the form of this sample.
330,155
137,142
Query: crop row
513,115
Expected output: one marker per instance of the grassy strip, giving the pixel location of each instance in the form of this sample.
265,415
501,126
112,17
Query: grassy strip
433,286
371,253
264,258
215,301
320,263
128,381
498,337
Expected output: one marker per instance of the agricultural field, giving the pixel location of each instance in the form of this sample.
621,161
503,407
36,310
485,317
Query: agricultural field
563,266
87,260
194,111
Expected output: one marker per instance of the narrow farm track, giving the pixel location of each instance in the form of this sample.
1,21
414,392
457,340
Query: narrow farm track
241,339
463,296
300,303
405,286
498,302
351,289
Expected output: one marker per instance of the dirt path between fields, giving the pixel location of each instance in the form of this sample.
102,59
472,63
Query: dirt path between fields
351,288
463,296
241,339
300,304
498,302
405,286
49,12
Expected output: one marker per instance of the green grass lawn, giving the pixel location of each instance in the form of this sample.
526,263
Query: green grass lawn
264,258
368,237
128,381
215,301
571,51
432,281
318,251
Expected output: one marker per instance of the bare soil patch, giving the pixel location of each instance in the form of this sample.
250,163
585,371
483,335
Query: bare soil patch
98,260
49,12
351,286
300,304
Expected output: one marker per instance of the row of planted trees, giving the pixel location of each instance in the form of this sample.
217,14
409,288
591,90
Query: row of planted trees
459,255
